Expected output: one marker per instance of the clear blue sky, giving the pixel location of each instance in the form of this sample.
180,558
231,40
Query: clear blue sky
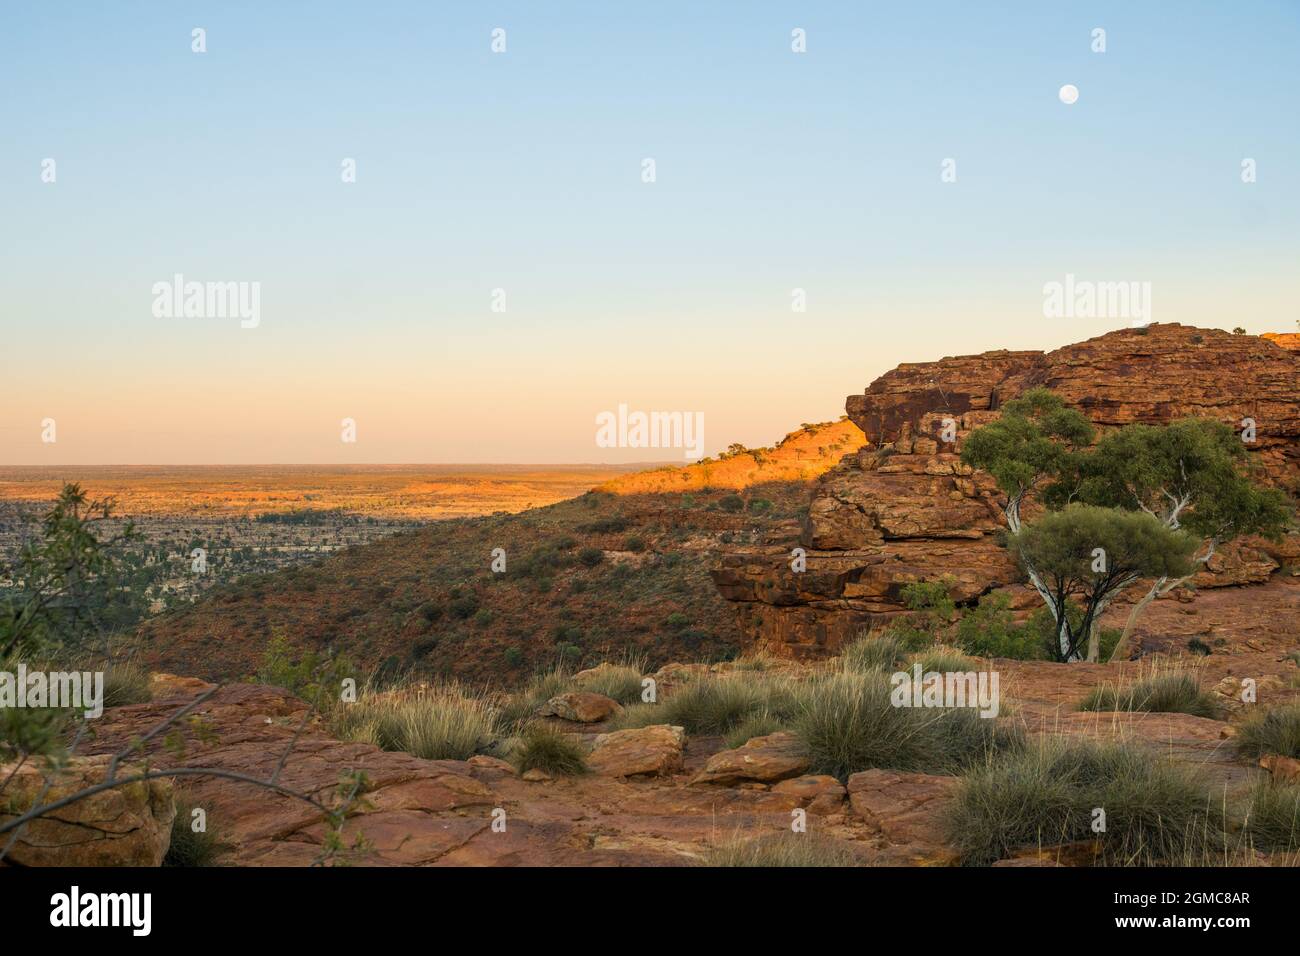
521,171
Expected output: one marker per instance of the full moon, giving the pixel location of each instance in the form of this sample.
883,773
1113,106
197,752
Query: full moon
1069,94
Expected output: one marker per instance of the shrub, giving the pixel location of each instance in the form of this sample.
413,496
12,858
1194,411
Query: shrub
634,543
544,747
849,723
1172,691
513,657
1273,821
676,621
883,653
1045,795
759,506
781,850
188,848
440,723
591,556
731,503
1275,731
990,630
313,677
463,606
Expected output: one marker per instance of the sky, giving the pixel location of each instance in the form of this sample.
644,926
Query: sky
500,272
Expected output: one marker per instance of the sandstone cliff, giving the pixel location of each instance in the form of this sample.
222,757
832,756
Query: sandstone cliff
904,508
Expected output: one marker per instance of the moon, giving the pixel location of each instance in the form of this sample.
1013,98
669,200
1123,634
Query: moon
1069,94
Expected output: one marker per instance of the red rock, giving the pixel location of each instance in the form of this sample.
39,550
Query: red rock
905,509
765,759
580,706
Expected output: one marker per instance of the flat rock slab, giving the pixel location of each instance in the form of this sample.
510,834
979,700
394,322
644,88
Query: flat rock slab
907,810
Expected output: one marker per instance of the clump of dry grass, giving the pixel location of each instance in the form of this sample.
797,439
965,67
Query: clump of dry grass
780,850
1168,689
436,722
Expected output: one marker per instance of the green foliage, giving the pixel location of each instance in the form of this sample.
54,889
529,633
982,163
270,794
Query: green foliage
1275,731
544,747
1193,471
943,660
67,586
1171,691
1061,547
731,503
1044,795
1036,439
848,723
590,557
990,630
316,678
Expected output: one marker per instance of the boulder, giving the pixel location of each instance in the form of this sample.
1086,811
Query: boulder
819,793
129,825
763,759
653,751
581,706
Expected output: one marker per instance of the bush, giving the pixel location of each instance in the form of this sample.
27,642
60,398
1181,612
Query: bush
781,850
1273,821
1172,691
440,723
1275,731
543,747
676,621
731,503
316,678
884,653
513,657
849,723
463,607
990,630
1044,795
590,557
634,543
188,848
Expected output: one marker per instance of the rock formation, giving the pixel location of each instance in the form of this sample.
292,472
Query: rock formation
904,508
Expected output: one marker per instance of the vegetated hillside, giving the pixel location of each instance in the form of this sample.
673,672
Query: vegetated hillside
586,580
802,455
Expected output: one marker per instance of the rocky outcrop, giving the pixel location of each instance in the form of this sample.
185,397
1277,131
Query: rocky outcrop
130,825
904,508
